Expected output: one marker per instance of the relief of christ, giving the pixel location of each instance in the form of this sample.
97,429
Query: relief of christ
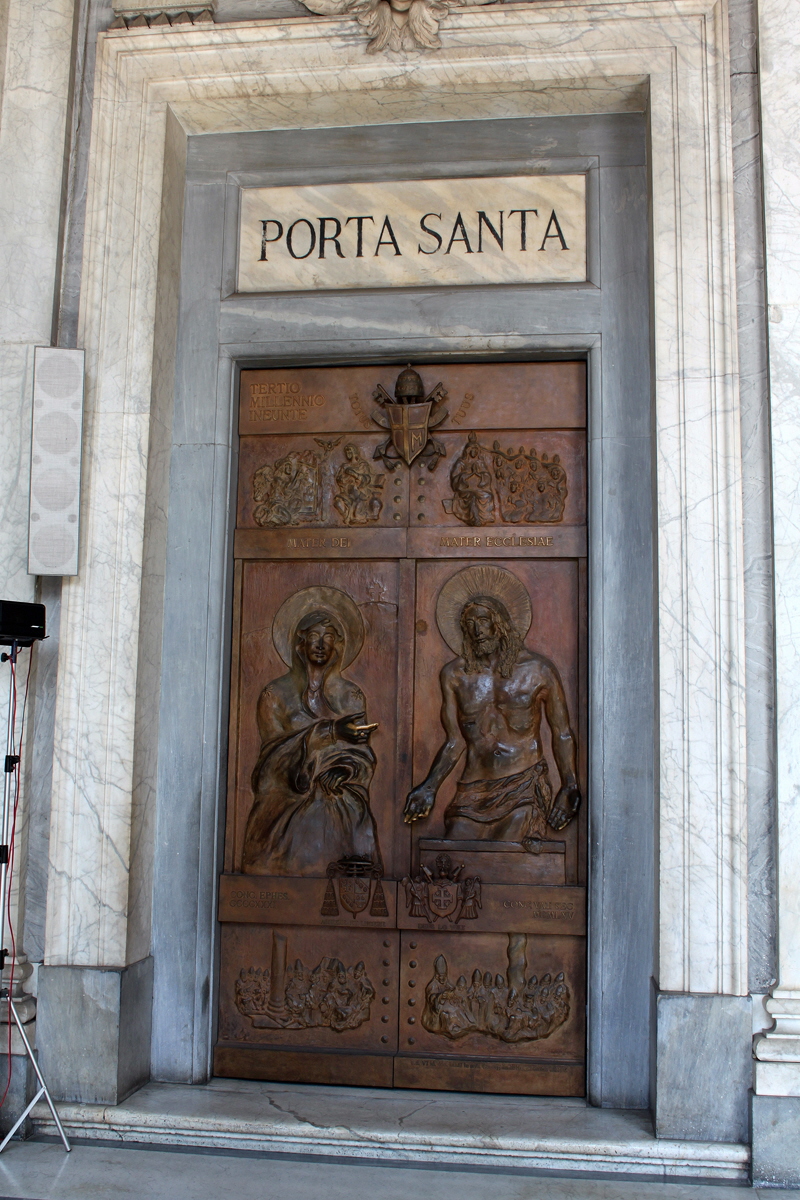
494,696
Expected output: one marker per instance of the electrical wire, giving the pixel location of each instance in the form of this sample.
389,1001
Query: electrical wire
11,841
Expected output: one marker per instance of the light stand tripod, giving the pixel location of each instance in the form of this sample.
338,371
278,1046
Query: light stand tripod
6,834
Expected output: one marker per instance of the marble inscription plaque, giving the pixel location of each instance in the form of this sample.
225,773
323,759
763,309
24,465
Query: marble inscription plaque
512,229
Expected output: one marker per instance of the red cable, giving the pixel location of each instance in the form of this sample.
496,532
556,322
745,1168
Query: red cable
10,871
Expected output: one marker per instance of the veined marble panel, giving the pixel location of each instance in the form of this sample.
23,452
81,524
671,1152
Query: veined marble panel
425,232
560,57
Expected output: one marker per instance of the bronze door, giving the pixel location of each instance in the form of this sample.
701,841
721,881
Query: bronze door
404,893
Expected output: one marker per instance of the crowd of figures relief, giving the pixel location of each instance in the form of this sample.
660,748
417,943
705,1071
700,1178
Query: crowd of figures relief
513,1007
505,486
331,996
290,491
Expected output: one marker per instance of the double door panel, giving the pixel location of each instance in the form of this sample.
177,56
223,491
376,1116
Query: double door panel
357,947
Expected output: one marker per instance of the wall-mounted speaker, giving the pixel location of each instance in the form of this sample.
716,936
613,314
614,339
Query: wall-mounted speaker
55,492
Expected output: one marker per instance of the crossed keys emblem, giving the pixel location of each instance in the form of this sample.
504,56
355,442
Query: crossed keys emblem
443,894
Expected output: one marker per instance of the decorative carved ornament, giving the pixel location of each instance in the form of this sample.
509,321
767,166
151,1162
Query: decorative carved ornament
409,416
394,24
390,24
354,877
444,894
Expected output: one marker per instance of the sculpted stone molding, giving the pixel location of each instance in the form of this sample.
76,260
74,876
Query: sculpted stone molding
394,24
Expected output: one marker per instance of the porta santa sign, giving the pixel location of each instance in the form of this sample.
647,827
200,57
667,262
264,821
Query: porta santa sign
512,229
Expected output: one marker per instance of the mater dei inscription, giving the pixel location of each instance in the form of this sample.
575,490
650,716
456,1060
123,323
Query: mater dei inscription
511,229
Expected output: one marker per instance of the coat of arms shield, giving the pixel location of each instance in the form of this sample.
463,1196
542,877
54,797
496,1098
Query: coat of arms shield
444,896
409,428
354,893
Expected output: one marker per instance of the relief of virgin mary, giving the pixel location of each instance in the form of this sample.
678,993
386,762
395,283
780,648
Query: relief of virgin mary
311,781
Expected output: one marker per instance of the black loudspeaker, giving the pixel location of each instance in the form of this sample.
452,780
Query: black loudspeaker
21,623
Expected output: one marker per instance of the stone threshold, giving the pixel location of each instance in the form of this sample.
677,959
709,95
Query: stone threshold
458,1129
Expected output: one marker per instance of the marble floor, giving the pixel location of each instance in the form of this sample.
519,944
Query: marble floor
40,1170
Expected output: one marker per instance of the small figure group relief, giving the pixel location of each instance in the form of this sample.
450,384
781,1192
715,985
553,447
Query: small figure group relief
509,486
330,996
290,491
512,1010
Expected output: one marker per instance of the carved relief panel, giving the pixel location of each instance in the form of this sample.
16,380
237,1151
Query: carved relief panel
407,745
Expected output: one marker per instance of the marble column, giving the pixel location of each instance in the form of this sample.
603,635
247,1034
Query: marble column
36,50
776,1105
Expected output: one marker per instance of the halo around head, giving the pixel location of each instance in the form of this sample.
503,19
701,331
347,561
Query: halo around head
309,600
472,582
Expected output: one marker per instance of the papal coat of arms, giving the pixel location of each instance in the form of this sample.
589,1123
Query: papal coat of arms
409,416
443,894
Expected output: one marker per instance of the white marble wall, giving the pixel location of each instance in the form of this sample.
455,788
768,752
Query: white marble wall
778,1069
493,62
35,54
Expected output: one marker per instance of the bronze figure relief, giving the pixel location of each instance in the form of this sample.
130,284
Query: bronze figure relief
515,1007
293,996
403,902
506,486
311,780
494,694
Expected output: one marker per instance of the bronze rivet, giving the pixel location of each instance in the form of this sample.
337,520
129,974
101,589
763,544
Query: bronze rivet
413,945
412,983
397,516
411,1041
387,944
412,1020
412,1002
385,1020
384,1039
384,999
420,499
386,962
412,962
386,982
422,626
420,516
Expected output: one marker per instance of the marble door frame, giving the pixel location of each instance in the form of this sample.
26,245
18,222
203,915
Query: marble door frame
154,92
